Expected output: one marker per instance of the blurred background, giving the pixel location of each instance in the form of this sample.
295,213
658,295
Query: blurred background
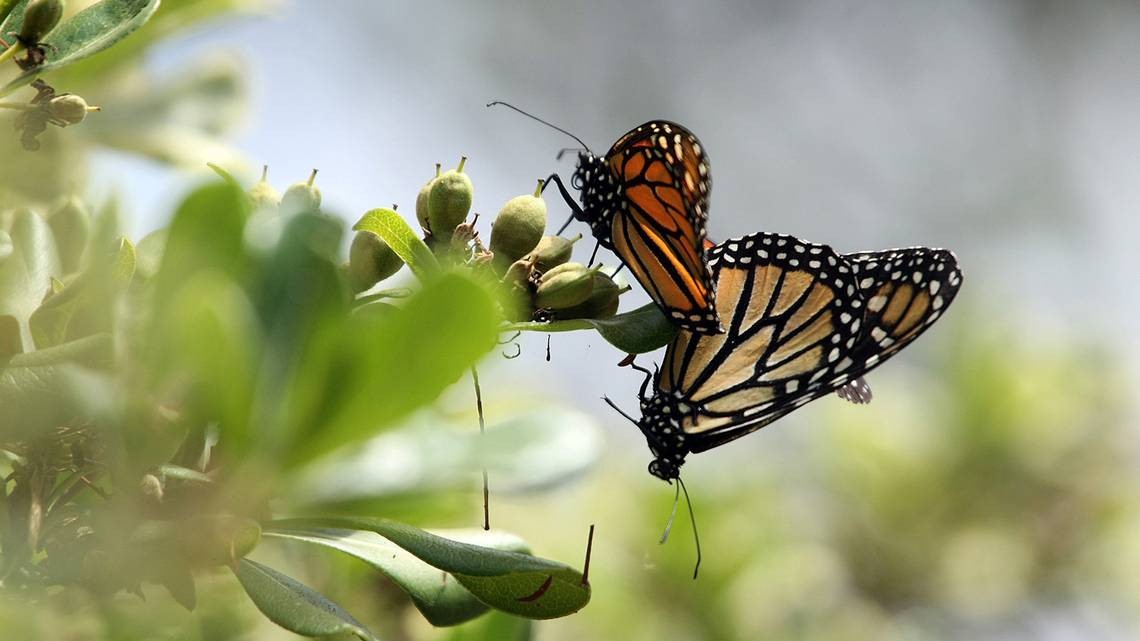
990,490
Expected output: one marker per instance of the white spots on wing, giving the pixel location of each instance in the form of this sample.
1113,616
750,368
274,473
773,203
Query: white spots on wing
935,286
791,387
876,303
866,283
878,334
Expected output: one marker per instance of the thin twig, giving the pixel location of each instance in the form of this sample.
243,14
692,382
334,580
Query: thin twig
482,431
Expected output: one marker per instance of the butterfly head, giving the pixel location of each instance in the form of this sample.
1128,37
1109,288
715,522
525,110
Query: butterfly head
660,423
664,470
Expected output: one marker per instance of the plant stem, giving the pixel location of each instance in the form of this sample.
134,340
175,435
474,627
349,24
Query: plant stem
482,431
11,52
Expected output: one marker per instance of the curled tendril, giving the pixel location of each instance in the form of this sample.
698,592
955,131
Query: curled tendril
518,352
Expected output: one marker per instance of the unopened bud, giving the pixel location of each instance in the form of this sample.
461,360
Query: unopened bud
602,302
518,227
263,195
552,251
564,286
302,197
69,109
422,201
370,260
449,200
40,17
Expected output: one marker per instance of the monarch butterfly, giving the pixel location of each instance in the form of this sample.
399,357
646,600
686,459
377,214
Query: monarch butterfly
647,200
801,321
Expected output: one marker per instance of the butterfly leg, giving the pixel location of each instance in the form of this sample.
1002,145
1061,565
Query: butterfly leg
575,208
594,254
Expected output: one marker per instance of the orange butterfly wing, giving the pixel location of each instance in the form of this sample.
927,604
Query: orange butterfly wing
661,235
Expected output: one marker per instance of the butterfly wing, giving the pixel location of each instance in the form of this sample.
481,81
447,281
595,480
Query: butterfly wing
660,234
906,291
791,311
799,326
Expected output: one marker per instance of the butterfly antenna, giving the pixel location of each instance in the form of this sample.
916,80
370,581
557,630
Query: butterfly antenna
693,518
672,515
534,117
619,410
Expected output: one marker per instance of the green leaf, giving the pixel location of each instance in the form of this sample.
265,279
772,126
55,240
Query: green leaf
293,605
513,582
25,276
87,33
214,337
370,371
86,305
395,231
206,234
499,626
13,13
635,332
438,596
38,390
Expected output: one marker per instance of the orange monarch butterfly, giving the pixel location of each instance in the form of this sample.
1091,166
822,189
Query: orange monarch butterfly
801,321
647,200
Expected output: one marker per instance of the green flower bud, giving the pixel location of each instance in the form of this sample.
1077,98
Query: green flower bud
422,201
518,227
602,303
301,197
71,225
68,109
552,251
263,194
40,17
564,286
370,260
449,200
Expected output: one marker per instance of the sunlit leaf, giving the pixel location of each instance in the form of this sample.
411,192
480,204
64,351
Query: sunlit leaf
85,306
517,583
295,606
25,276
394,230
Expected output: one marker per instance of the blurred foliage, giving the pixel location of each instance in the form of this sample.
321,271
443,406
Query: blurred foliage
167,404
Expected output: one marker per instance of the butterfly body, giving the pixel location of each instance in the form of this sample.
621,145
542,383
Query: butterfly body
801,322
647,200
